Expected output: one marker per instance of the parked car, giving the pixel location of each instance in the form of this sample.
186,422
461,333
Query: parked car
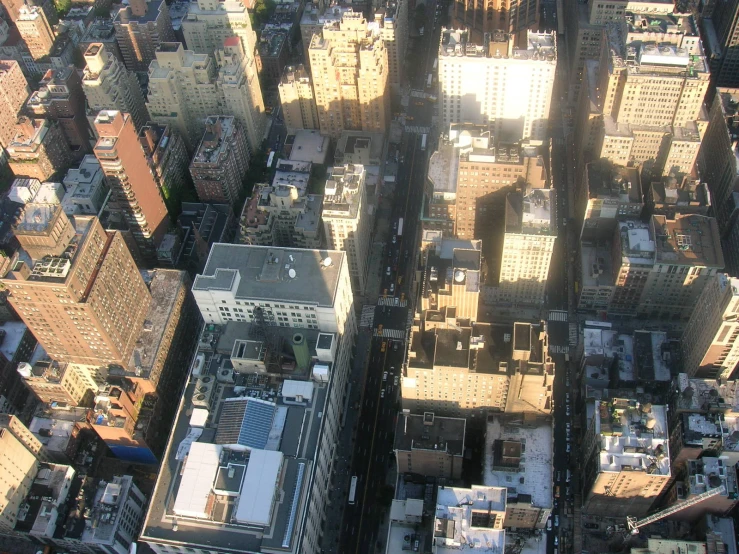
384,376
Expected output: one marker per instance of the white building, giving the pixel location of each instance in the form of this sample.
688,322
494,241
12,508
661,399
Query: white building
510,88
86,188
527,247
471,518
347,221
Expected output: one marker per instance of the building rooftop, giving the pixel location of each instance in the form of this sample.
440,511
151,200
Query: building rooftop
39,512
606,180
707,394
597,265
343,191
260,272
671,546
312,15
54,434
519,458
540,47
309,146
215,142
106,514
11,334
271,43
237,477
637,242
654,356
463,518
360,148
601,348
633,436
153,9
689,239
293,174
672,195
531,213
430,432
710,472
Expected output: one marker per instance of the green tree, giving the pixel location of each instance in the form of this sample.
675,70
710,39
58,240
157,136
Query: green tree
62,7
263,10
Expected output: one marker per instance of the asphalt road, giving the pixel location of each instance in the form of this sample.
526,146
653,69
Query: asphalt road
373,454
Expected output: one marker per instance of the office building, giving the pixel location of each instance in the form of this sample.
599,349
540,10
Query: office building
528,244
391,22
206,28
349,64
86,187
312,22
518,456
60,98
35,30
134,191
108,85
168,160
97,276
626,457
430,445
140,27
297,101
347,221
306,384
38,149
486,67
14,92
18,466
17,347
282,215
709,344
497,15
221,160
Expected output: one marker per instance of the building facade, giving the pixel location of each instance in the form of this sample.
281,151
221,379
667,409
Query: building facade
19,468
296,98
36,31
140,27
39,149
14,91
165,151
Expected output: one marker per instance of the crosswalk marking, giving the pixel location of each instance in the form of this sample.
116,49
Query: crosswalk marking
417,129
558,315
368,316
574,335
392,301
390,334
556,349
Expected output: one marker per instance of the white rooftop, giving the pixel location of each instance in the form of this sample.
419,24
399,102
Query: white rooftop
199,417
457,505
535,472
610,343
197,480
294,389
259,487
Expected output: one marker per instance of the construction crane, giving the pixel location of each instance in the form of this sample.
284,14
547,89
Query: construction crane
635,525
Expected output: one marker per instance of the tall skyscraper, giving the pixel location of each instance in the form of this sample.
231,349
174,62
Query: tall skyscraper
167,156
19,467
722,24
709,343
109,86
347,220
134,191
35,30
349,64
60,98
391,22
296,99
475,81
220,161
497,15
312,22
140,27
14,91
87,305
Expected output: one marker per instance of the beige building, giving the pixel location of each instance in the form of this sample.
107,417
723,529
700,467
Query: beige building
108,85
86,306
530,232
474,78
452,278
710,343
24,436
313,20
430,445
208,26
296,99
347,221
349,64
43,230
34,28
497,15
391,22
626,462
19,467
65,383
14,92
185,88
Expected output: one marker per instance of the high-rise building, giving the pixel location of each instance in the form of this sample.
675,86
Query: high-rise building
296,98
35,30
61,99
497,15
208,25
140,27
273,50
530,232
18,347
134,190
722,25
349,65
14,92
391,22
24,436
167,156
105,298
221,160
626,457
63,383
100,31
709,344
19,467
474,79
312,22
430,445
109,86
347,220
38,149
86,188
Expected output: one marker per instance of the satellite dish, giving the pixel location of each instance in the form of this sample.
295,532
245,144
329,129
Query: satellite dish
291,273
459,276
327,261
